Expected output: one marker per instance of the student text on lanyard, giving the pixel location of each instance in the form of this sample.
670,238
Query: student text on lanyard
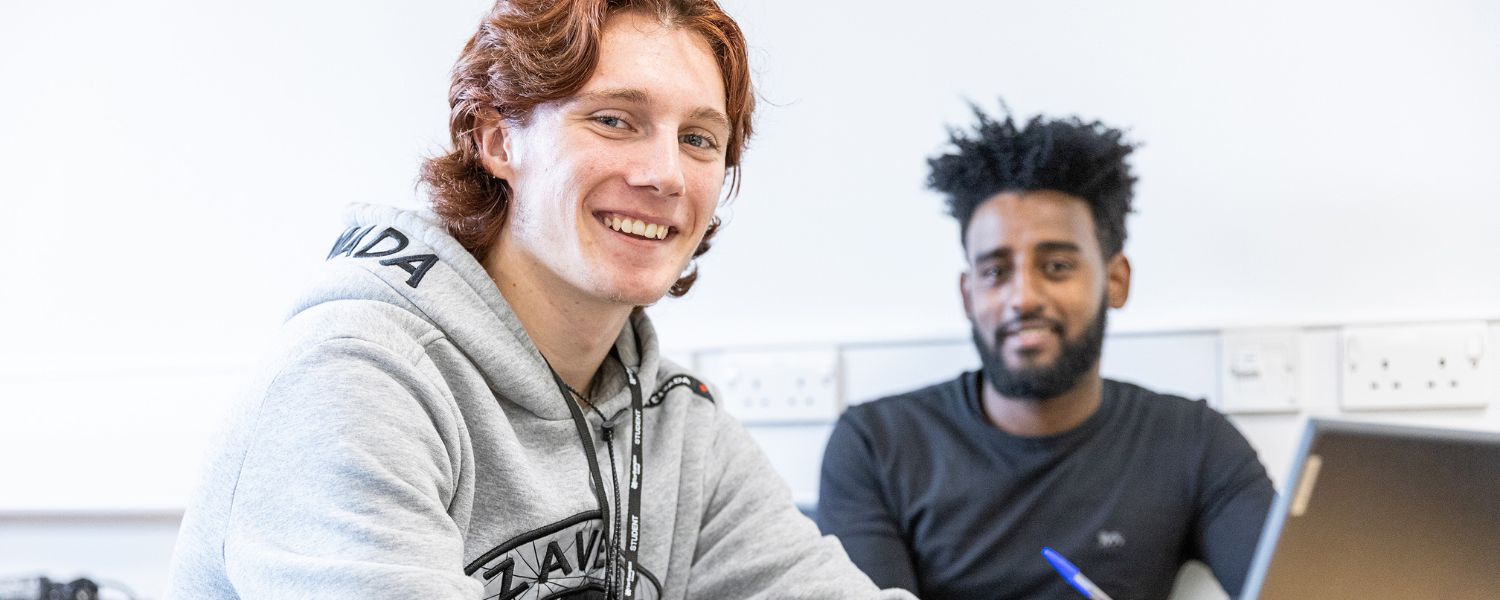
629,553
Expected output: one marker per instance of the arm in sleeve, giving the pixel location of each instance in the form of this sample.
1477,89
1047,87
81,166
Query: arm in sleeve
1234,499
754,543
853,507
345,484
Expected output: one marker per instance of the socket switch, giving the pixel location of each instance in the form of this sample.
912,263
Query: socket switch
1259,371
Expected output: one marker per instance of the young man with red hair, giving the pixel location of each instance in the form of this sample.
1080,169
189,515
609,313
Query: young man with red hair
471,403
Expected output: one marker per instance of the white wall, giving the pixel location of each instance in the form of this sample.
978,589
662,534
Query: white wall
1320,162
170,171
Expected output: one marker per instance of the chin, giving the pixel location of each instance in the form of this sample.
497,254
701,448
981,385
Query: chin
1030,363
639,299
637,292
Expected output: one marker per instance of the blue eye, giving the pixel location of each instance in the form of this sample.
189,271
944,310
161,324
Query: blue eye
699,141
610,121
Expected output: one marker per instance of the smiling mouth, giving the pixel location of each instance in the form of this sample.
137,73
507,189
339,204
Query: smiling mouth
1033,327
1028,328
636,228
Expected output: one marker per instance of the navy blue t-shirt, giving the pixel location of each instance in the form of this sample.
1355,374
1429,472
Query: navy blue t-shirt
926,495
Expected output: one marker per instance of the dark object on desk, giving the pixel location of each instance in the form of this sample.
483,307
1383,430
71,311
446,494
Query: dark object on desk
1378,511
41,588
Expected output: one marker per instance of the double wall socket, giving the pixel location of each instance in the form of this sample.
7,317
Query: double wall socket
1439,365
785,386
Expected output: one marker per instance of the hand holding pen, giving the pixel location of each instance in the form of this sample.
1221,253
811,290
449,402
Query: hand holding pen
1074,578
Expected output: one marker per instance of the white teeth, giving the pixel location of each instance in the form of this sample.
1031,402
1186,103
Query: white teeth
637,227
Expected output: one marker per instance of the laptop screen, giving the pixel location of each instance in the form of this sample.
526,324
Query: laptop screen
1379,511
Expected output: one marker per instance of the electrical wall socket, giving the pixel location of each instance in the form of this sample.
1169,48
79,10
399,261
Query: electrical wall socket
1439,365
788,386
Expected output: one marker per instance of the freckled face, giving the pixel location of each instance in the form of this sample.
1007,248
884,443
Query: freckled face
615,186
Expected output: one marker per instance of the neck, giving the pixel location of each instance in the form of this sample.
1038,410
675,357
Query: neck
1033,418
572,330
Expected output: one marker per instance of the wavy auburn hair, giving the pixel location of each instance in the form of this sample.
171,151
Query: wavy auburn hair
528,52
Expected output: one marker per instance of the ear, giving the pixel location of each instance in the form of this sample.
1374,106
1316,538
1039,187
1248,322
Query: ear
493,138
1119,280
963,292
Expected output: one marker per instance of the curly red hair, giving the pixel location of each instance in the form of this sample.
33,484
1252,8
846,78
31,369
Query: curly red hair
528,52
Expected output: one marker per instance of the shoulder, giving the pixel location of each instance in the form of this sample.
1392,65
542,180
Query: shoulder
356,322
674,379
682,402
1166,410
351,360
1170,421
349,356
909,413
936,398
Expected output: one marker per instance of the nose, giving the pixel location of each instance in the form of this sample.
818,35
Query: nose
1025,297
659,166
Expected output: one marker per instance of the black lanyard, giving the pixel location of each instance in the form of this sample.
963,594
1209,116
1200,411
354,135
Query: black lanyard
633,521
631,550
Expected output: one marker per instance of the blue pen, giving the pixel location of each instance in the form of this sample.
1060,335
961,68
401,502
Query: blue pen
1074,578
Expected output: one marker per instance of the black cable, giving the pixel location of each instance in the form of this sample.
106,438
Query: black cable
612,551
614,477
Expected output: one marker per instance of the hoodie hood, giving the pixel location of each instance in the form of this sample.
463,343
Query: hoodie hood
407,258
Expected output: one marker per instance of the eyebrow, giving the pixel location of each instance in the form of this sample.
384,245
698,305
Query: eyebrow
1045,247
709,114
636,96
626,94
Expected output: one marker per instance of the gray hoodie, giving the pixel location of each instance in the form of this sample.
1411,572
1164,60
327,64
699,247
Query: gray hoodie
407,440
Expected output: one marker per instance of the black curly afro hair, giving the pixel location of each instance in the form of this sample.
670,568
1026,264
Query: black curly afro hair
1084,160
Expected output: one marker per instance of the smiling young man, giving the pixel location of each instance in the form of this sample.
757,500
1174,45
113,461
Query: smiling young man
952,491
470,403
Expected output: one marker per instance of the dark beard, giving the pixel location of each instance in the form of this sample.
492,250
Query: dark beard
1041,383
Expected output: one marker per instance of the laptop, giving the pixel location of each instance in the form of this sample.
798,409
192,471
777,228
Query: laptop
1380,511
